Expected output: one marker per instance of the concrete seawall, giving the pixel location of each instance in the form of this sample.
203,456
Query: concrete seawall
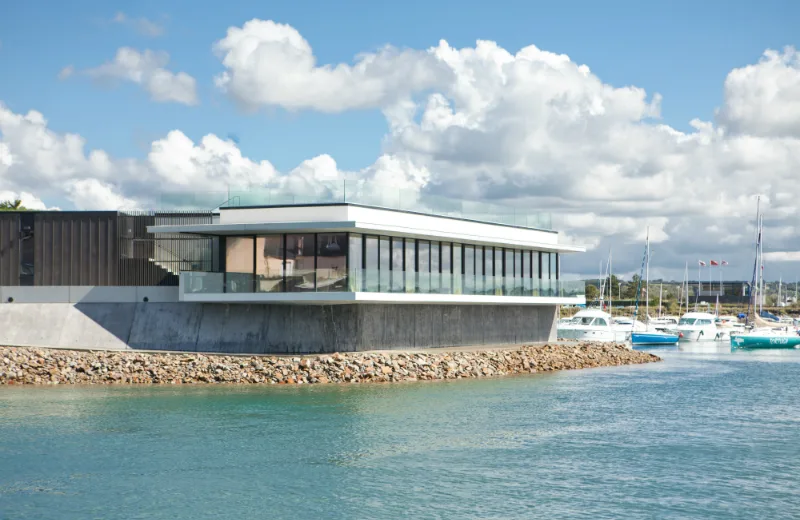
266,329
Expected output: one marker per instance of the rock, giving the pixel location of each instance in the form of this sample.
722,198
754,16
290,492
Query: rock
34,366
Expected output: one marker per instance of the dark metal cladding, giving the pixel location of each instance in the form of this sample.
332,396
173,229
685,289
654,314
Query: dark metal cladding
9,248
103,248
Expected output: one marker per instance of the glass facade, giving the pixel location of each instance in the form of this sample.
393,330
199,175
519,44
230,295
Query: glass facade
325,262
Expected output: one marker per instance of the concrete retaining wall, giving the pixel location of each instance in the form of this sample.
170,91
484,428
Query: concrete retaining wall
261,329
87,294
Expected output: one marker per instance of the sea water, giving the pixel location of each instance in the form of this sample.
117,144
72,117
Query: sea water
708,433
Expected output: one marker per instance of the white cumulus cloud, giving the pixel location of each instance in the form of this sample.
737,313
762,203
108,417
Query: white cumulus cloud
148,69
530,130
142,25
271,64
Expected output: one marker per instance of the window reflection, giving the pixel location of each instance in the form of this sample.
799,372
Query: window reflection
398,280
342,261
458,263
488,269
331,262
300,272
371,264
410,265
435,267
469,269
269,263
446,268
239,254
356,262
424,266
385,264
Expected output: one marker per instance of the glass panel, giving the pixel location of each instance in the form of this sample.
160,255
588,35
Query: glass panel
553,266
239,264
355,261
269,263
193,282
332,262
300,271
385,264
488,271
557,269
447,269
424,269
518,289
526,273
435,267
536,261
398,282
372,260
410,269
509,271
498,271
458,277
469,269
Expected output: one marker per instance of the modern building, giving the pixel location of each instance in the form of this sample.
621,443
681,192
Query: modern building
297,278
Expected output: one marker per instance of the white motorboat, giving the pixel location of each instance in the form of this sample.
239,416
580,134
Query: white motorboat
698,326
627,324
592,325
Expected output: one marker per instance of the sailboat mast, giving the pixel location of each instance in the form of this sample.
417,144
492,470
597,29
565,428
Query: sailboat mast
647,278
686,284
761,259
610,287
660,294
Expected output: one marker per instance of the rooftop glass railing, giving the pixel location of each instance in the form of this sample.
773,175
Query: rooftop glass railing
359,192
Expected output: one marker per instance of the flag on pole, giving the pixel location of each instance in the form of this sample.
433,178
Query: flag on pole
724,262
702,263
714,262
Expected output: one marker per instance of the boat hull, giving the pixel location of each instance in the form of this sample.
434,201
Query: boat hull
652,338
765,341
603,335
698,335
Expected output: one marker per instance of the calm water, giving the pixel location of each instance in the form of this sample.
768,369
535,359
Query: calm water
706,434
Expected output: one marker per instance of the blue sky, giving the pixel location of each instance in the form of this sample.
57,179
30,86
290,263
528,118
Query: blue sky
541,135
681,49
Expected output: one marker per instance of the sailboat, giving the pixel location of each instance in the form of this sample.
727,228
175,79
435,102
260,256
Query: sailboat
653,335
763,337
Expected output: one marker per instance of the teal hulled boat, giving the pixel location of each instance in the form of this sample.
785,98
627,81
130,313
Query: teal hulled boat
766,340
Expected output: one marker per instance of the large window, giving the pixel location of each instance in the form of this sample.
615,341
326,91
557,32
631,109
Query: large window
332,262
398,279
435,267
527,285
370,263
488,270
355,262
469,269
509,271
446,263
498,271
301,272
269,263
385,264
239,256
423,266
458,269
411,265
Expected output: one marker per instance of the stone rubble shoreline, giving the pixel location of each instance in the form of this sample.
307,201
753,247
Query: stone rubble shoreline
36,366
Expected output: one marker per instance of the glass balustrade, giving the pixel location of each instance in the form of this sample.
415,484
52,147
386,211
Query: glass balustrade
376,281
359,192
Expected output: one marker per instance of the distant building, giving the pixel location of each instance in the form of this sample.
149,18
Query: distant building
730,292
